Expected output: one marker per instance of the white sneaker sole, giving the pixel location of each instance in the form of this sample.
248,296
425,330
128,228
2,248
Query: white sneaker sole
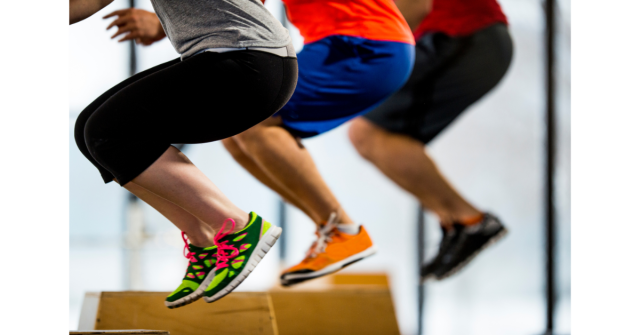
297,278
264,245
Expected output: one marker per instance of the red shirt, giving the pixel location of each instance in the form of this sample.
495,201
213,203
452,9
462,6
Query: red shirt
460,17
371,19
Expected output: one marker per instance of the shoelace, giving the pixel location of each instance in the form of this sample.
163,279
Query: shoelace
223,256
191,256
324,236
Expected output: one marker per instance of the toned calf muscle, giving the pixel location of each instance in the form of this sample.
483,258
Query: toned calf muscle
255,170
405,161
200,234
174,178
281,158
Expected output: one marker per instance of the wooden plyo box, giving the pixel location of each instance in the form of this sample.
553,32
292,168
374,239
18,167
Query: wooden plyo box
341,303
336,312
350,304
238,313
120,332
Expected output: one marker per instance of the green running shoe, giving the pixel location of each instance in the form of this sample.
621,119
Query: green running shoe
200,273
239,254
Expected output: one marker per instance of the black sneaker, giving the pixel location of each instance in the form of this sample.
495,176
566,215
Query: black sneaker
469,242
427,271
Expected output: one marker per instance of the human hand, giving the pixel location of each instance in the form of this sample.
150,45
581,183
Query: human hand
138,24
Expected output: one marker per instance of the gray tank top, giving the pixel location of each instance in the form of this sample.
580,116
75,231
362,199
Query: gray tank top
196,25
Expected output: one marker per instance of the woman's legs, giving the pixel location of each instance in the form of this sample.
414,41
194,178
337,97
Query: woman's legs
199,233
199,100
82,119
174,178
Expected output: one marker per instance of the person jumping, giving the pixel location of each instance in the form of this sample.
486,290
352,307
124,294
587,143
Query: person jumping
463,49
356,54
237,67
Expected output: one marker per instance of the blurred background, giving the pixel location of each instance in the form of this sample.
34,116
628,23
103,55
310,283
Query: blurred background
494,154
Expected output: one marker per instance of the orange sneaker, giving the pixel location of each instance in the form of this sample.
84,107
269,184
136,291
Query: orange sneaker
332,251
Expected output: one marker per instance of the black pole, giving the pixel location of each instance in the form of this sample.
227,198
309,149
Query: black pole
282,216
131,199
282,206
133,61
550,32
421,247
133,69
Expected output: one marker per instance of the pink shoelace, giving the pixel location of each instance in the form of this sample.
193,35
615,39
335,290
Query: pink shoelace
191,256
223,256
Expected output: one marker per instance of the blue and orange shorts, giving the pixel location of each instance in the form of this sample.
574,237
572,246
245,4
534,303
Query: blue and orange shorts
341,77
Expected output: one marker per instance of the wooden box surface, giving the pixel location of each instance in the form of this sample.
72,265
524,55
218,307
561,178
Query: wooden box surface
238,313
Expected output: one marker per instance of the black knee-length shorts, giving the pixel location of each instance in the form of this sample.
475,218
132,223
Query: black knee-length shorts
449,75
205,98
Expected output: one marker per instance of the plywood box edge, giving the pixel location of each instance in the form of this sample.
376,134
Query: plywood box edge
89,311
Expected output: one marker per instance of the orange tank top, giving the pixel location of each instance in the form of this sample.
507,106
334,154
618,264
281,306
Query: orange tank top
371,19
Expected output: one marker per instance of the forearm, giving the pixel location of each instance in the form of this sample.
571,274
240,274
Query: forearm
82,9
414,11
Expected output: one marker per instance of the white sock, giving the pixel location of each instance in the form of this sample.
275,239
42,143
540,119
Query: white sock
349,228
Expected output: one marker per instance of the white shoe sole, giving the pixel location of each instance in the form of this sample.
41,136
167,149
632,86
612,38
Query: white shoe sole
296,278
264,245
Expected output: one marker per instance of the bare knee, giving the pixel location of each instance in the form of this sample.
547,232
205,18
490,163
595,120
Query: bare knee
363,135
243,144
261,136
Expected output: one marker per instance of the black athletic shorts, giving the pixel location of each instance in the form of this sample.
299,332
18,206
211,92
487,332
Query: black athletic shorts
206,97
450,74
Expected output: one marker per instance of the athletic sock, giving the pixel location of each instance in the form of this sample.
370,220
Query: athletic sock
349,228
472,220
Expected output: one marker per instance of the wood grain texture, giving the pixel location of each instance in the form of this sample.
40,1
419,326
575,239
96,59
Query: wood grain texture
120,332
238,313
379,279
336,312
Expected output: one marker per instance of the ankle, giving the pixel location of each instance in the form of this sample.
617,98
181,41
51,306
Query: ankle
200,239
343,218
470,220
447,221
241,222
464,216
